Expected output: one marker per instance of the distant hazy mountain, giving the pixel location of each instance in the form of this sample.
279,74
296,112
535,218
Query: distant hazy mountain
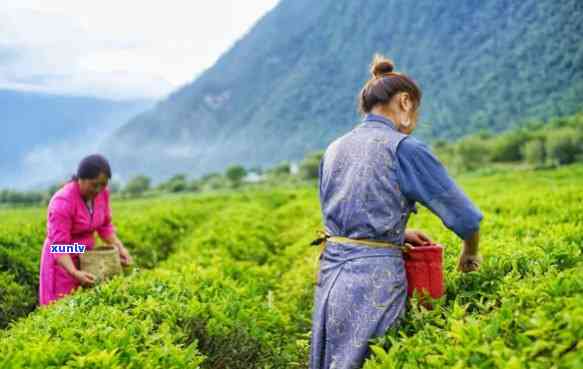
290,85
44,136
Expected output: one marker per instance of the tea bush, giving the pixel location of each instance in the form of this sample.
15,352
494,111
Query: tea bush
150,230
236,291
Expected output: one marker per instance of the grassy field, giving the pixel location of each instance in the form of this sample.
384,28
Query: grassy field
227,281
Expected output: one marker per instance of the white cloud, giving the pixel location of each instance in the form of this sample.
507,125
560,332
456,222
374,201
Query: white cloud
117,49
49,163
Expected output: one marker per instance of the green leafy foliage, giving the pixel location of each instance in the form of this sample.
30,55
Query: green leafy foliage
150,229
523,308
16,299
237,290
137,185
309,167
558,142
534,152
235,174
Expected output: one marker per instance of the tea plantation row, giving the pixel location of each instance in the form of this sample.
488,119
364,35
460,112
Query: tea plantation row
237,291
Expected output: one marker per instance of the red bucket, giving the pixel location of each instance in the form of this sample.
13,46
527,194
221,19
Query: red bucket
424,268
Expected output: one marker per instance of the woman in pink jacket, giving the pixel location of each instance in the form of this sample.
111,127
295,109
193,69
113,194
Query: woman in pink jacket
75,212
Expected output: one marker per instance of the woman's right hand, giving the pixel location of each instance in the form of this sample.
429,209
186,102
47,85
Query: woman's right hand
85,278
470,258
469,262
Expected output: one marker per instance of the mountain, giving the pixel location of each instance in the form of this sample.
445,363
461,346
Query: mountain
44,136
290,84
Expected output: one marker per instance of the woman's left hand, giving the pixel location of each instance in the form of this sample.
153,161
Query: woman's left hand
417,238
124,255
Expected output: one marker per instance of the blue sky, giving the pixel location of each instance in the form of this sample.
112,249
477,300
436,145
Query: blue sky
119,49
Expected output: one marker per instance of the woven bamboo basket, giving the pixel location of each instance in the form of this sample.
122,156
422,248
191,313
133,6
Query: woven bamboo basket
103,262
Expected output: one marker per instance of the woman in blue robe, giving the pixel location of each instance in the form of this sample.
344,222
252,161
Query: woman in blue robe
370,179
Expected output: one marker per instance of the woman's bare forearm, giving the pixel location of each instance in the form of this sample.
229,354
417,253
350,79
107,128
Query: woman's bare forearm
67,263
471,244
112,240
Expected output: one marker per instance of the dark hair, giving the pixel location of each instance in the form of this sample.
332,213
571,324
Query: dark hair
385,84
91,166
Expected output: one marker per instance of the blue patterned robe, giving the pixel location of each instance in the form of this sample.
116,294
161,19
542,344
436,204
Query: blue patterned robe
370,179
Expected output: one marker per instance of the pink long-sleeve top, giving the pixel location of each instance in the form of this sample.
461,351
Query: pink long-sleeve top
69,221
